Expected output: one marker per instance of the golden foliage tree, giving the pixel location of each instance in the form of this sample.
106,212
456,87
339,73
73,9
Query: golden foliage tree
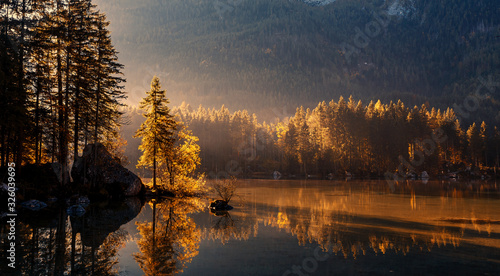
181,161
167,145
157,132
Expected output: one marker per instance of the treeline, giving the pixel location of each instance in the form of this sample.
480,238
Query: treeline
60,81
335,137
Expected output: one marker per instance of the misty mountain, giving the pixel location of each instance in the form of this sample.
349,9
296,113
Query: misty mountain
265,53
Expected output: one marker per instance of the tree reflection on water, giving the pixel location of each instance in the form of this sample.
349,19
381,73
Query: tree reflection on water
350,221
355,219
368,218
171,239
52,243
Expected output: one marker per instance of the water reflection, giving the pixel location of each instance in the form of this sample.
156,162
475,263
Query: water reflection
52,243
364,223
459,222
170,239
343,216
229,225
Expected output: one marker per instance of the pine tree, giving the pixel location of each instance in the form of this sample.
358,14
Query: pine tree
9,70
157,132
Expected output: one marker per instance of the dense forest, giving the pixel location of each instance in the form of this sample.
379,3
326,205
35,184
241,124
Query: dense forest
61,84
367,140
258,55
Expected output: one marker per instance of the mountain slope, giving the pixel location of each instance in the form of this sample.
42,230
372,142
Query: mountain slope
261,54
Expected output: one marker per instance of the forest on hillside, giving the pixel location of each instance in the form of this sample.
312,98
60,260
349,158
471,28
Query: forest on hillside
63,88
257,55
367,140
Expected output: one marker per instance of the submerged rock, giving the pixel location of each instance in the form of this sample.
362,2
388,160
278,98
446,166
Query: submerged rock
33,205
98,164
76,211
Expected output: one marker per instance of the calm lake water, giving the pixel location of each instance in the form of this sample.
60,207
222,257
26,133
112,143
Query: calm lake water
279,228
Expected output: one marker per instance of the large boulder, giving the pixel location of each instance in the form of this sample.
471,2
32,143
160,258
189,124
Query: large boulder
108,173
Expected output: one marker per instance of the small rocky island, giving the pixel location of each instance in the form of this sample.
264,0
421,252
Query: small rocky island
96,174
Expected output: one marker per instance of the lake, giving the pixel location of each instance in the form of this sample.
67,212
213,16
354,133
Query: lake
286,227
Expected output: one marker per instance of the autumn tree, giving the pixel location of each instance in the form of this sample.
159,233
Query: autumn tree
337,136
157,132
181,161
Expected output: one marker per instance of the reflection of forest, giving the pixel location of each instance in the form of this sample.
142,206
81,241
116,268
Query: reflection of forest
232,225
52,243
170,239
351,218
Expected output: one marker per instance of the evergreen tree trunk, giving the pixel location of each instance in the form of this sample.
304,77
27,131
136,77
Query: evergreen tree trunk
22,91
154,168
154,144
60,104
76,126
37,117
66,100
96,128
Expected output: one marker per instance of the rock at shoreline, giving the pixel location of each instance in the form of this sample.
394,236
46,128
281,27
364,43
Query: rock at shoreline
220,205
109,174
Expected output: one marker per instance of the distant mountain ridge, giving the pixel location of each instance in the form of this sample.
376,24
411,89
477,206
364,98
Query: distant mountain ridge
261,54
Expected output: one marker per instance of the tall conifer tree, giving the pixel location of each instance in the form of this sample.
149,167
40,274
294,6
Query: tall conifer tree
158,130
